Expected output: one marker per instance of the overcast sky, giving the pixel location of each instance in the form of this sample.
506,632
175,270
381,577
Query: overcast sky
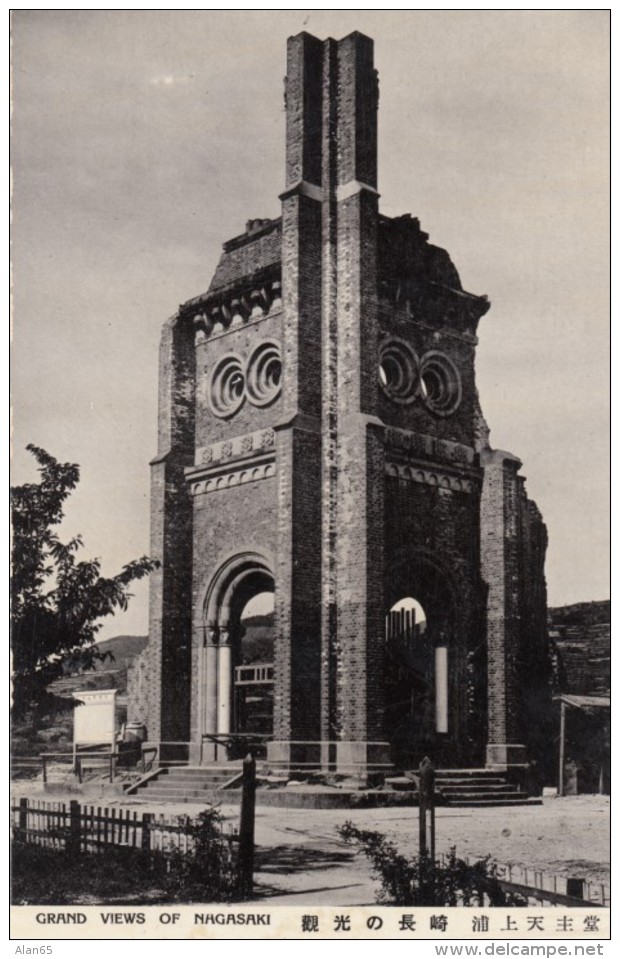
143,140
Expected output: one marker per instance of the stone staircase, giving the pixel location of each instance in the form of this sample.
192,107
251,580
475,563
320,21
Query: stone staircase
479,788
193,784
207,784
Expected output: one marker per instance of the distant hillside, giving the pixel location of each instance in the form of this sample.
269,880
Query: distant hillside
581,614
258,639
123,648
256,621
109,674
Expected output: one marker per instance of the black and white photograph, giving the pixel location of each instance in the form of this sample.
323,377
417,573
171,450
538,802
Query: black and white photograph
310,585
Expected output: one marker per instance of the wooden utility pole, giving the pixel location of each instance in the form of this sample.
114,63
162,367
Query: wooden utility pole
246,826
427,808
562,740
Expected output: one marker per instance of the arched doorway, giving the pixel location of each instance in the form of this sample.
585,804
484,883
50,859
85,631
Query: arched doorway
424,660
237,662
253,667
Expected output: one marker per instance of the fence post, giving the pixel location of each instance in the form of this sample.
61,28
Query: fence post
246,827
422,814
23,816
74,826
427,806
426,791
43,767
147,819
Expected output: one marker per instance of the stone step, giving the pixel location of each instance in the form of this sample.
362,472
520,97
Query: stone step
473,781
174,787
167,785
483,797
487,803
201,770
453,790
207,797
469,774
193,776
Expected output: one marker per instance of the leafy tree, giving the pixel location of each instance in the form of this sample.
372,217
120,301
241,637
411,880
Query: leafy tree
57,601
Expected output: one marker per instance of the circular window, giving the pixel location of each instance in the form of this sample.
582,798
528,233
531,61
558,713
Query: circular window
264,374
398,371
227,387
440,384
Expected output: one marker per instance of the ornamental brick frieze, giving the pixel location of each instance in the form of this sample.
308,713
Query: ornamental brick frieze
218,313
431,477
428,447
222,476
235,448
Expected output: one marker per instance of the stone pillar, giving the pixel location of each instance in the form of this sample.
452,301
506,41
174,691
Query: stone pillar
499,543
208,681
441,689
298,570
169,649
329,452
224,683
358,503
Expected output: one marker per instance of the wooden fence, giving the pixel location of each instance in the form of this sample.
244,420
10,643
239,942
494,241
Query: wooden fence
93,829
540,888
86,828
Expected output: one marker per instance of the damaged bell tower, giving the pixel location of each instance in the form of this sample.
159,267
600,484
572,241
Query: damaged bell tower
321,439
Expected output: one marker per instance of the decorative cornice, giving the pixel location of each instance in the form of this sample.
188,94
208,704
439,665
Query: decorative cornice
431,476
429,447
227,310
205,480
235,448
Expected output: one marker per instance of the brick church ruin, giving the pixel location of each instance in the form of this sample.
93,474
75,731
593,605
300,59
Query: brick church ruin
321,439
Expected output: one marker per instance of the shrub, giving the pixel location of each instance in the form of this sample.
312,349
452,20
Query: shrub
423,882
43,875
207,872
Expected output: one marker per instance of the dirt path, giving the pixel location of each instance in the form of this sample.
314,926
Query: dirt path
301,858
300,853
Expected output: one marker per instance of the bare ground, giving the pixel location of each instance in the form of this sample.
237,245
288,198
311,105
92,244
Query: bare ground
301,858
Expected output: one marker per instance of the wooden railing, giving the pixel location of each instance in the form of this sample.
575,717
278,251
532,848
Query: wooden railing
79,763
93,829
89,828
540,888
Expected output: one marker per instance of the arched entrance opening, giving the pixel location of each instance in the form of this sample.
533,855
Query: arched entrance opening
423,658
253,670
237,670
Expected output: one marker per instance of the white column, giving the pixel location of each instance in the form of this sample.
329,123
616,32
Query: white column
441,689
210,681
224,687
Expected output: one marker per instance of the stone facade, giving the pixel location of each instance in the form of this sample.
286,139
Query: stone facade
320,437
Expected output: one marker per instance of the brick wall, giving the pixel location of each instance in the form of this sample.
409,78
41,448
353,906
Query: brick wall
171,538
363,494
